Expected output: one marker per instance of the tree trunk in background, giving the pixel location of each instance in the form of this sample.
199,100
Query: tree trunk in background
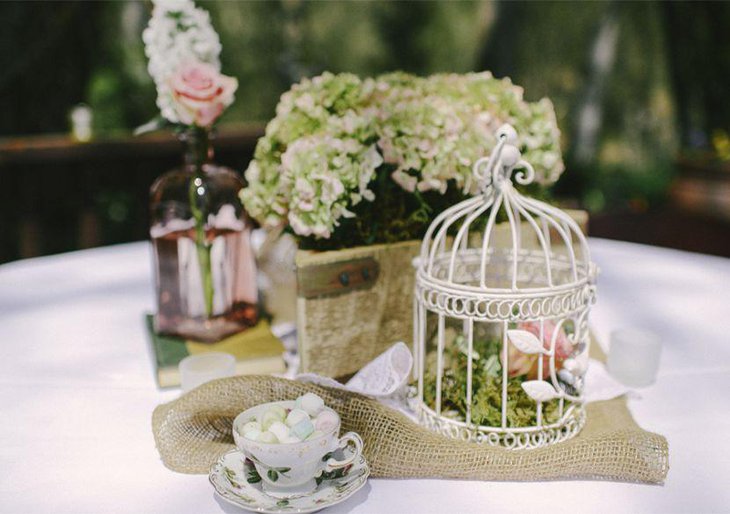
699,40
498,55
590,111
400,26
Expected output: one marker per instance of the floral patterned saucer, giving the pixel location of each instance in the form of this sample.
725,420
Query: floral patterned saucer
236,480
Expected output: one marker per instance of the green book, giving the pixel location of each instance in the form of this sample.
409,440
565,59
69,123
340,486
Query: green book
257,351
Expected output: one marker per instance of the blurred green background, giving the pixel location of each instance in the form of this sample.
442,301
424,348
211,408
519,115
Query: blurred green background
640,91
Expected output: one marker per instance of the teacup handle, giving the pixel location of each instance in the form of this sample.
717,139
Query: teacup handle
345,440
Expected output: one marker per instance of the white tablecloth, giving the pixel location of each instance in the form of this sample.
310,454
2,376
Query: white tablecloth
77,392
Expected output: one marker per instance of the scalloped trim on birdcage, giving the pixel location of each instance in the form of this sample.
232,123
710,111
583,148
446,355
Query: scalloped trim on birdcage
504,307
522,438
531,270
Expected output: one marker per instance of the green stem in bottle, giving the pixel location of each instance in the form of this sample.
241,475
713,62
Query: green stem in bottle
197,154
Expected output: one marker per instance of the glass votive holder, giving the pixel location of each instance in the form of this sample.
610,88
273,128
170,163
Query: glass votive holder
199,369
633,358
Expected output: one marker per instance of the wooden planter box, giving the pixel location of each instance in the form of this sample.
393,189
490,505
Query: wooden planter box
352,304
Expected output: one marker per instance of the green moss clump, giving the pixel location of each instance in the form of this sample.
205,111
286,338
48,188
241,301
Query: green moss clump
486,408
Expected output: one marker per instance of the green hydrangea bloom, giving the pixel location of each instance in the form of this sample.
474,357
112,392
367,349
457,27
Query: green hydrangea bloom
403,142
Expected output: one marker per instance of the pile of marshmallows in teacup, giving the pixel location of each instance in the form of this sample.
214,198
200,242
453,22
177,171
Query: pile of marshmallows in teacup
307,420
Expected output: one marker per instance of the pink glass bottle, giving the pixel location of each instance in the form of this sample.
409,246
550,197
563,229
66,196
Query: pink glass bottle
205,268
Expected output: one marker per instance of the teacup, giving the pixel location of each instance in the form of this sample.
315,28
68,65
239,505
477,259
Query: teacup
291,469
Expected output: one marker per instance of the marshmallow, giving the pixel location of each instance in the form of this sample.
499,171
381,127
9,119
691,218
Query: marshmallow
309,419
291,439
302,429
272,414
310,403
295,416
280,430
267,437
326,421
251,425
315,434
252,433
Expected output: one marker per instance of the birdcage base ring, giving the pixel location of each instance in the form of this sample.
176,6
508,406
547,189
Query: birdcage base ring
511,438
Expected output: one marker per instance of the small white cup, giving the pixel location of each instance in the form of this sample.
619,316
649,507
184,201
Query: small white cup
199,369
633,358
289,470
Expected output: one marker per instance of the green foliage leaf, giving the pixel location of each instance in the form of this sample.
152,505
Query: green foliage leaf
253,477
332,475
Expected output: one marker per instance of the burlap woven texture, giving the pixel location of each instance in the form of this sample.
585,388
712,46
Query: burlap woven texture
338,334
194,430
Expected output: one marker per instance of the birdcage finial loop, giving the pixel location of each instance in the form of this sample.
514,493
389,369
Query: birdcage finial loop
496,170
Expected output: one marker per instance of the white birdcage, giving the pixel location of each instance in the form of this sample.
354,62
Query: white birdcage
519,292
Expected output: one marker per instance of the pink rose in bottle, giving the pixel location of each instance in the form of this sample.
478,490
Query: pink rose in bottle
201,93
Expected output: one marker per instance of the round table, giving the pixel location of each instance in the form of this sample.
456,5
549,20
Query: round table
77,392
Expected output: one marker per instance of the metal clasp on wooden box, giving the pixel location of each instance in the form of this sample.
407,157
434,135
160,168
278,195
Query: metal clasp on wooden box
337,277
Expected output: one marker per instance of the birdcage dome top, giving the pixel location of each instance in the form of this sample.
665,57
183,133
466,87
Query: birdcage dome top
503,243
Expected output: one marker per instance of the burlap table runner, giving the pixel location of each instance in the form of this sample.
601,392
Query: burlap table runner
194,430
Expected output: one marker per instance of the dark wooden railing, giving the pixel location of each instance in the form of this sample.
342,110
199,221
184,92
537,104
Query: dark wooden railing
59,195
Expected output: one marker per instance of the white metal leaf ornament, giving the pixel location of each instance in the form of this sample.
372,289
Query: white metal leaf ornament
524,341
539,390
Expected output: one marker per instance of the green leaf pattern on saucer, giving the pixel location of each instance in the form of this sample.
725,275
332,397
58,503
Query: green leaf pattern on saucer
236,480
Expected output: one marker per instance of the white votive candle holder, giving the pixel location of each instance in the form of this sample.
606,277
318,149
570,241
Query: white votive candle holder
633,358
199,369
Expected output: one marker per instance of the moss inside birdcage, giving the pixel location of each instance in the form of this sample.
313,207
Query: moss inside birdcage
486,406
